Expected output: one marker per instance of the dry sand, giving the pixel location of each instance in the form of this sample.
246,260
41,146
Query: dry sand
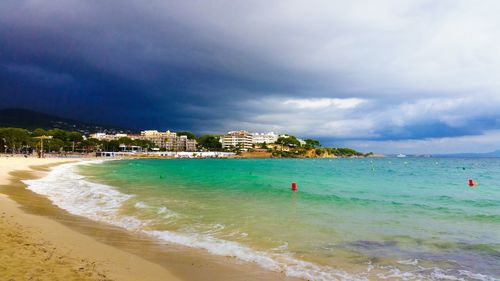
37,248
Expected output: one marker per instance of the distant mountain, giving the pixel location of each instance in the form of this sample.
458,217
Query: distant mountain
492,154
28,119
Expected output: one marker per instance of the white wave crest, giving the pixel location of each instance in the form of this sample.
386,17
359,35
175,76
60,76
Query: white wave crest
71,192
141,205
433,274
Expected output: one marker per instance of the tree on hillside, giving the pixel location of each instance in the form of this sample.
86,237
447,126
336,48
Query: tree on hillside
53,145
58,134
312,143
126,141
144,143
69,138
289,141
15,139
90,145
261,145
345,151
39,132
189,135
112,145
210,142
73,138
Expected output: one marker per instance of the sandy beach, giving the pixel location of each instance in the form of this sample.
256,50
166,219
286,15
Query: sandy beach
37,248
39,241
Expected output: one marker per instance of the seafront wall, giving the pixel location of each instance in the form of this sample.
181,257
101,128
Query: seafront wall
181,154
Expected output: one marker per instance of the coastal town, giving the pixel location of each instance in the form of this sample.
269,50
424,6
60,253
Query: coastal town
171,141
169,144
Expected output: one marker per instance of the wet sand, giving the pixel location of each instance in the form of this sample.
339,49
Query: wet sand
42,242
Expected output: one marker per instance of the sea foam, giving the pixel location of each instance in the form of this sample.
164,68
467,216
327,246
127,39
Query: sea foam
71,192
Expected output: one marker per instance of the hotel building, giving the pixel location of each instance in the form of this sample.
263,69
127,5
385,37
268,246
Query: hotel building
270,137
169,140
242,139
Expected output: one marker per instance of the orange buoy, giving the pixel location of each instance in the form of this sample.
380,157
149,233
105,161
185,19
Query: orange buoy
294,186
471,183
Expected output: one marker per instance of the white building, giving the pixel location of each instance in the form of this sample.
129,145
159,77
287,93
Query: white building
241,139
154,133
104,136
270,137
98,136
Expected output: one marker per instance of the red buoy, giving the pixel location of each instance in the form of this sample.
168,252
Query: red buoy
471,183
294,186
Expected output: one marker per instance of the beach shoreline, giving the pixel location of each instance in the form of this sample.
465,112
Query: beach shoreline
49,250
89,250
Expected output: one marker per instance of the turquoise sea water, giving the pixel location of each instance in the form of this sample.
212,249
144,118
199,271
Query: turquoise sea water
350,219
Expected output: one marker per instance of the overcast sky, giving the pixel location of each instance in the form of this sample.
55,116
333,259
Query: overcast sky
385,76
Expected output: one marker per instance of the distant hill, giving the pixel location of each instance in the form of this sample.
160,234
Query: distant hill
492,154
28,119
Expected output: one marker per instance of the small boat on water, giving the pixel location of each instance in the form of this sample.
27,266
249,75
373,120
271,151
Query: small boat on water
401,155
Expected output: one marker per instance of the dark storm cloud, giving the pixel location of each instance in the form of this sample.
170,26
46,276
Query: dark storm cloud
341,71
125,55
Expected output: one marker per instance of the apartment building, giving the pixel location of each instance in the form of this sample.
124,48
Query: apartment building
169,140
160,139
270,137
185,144
241,139
104,136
